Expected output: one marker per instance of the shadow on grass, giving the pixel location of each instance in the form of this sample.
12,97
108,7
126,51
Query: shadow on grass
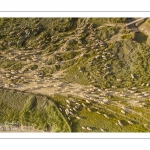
74,127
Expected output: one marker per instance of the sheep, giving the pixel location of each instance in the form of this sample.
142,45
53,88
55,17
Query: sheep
68,101
98,112
89,109
88,128
119,80
119,123
106,116
143,84
130,122
71,113
140,96
68,106
77,103
83,105
78,117
76,107
106,100
136,94
60,109
123,111
70,109
87,101
103,130
146,94
67,112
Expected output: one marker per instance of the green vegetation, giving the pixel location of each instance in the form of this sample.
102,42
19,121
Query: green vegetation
11,64
52,35
31,32
75,76
127,36
27,109
94,52
101,21
123,58
106,32
32,67
47,71
90,118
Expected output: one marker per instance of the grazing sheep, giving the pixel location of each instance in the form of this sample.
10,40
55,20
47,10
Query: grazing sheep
143,84
134,88
132,76
67,112
68,106
68,101
146,94
98,112
6,85
22,77
140,96
131,91
103,130
119,123
123,111
88,128
130,122
83,105
136,94
87,101
105,100
74,109
60,109
119,80
78,117
89,109
106,116
71,113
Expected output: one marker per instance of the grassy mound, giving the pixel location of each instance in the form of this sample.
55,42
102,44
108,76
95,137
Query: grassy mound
32,110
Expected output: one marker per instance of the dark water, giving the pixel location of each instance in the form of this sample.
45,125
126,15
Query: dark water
140,37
